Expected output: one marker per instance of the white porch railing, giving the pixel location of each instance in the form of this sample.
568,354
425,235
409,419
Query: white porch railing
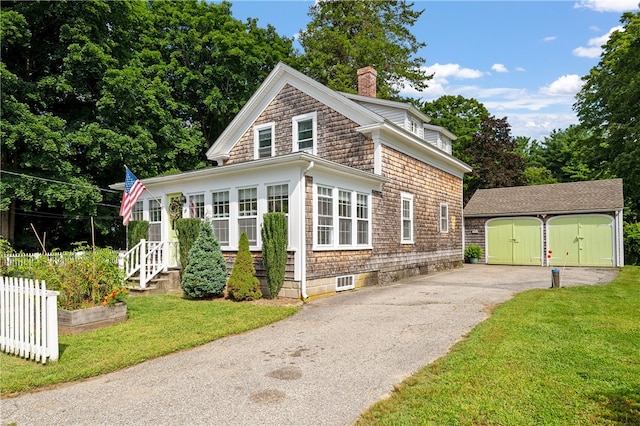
149,258
28,319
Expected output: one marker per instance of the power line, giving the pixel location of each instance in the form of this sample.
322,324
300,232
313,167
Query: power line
58,181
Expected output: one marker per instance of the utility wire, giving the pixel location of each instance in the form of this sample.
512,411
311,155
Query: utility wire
58,181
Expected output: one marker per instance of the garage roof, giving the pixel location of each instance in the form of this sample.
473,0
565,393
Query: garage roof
571,197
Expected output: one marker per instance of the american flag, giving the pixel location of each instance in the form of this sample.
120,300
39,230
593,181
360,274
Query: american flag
133,189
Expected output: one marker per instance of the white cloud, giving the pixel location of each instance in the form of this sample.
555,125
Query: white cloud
499,68
594,48
567,85
539,125
550,38
520,69
608,5
444,71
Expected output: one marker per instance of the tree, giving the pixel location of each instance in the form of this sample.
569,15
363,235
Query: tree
206,272
343,36
564,153
243,284
461,116
274,250
608,108
494,160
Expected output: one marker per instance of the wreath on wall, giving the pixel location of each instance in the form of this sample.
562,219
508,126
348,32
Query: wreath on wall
175,208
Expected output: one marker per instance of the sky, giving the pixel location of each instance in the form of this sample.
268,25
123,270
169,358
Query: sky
523,60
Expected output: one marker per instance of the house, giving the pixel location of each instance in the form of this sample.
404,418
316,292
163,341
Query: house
564,224
371,190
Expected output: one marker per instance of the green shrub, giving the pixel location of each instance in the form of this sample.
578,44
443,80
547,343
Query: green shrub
632,243
274,250
187,230
243,284
473,251
206,272
84,277
136,231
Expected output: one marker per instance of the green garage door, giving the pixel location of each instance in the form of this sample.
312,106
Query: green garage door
581,240
514,242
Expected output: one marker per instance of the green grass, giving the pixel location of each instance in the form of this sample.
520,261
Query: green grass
157,325
568,356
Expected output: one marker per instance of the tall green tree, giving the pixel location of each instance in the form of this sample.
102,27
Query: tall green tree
460,115
343,36
608,107
495,161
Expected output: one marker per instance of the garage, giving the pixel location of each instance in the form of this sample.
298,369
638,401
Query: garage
572,224
514,241
585,240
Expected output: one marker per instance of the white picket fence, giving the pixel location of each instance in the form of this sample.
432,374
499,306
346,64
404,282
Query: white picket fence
28,319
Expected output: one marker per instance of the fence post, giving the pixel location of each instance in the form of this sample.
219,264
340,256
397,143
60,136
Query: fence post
143,263
52,326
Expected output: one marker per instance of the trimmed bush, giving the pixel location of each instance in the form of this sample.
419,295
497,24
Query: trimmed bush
136,231
243,284
187,230
206,272
274,250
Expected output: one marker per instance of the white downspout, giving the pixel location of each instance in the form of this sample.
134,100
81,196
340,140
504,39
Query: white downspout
303,233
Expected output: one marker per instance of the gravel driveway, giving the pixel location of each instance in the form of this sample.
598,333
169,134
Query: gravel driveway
323,366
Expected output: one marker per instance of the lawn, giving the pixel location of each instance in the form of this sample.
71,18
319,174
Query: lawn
157,325
568,356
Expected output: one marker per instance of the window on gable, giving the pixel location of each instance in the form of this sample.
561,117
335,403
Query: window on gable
407,218
248,214
444,217
196,206
263,140
304,133
220,222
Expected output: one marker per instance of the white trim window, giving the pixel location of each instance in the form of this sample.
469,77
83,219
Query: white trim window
137,211
324,229
196,206
406,207
278,198
444,217
362,218
350,211
263,140
155,220
248,214
305,133
220,219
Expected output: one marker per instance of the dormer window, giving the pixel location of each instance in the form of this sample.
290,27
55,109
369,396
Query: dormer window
263,140
305,133
414,127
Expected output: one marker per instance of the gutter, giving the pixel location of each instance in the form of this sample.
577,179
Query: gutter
303,234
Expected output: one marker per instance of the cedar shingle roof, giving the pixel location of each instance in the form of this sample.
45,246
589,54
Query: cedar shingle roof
572,197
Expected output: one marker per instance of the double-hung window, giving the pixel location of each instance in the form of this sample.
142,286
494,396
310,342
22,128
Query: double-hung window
444,217
220,213
325,216
362,218
136,212
304,133
196,206
155,220
278,198
344,218
406,208
248,214
263,140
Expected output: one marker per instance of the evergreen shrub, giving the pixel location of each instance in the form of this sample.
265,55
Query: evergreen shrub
206,272
136,231
274,250
632,243
243,284
187,230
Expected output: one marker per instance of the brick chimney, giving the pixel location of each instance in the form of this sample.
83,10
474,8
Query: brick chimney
367,82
